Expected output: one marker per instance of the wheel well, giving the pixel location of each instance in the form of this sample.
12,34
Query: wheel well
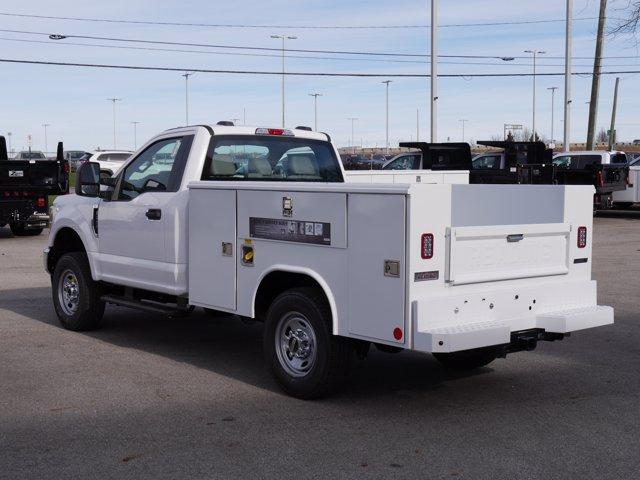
274,283
66,241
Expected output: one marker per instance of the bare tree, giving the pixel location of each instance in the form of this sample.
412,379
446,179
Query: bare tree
602,136
629,21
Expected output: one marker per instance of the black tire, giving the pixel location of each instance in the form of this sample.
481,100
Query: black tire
329,364
19,230
89,309
467,359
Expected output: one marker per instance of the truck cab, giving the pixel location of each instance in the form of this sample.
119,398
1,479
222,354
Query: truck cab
264,224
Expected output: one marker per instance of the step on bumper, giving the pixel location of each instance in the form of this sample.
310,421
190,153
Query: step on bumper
454,338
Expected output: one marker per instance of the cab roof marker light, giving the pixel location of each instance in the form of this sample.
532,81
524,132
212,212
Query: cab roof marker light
274,131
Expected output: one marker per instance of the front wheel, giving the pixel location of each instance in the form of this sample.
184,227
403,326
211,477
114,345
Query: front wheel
467,359
76,296
307,360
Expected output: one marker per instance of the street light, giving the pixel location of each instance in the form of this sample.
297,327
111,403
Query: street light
283,38
9,138
315,109
135,135
553,93
186,76
535,53
463,121
114,100
353,119
387,82
46,146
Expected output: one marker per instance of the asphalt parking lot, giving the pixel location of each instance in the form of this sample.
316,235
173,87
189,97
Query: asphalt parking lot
153,397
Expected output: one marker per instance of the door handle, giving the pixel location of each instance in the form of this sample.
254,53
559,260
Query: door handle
154,214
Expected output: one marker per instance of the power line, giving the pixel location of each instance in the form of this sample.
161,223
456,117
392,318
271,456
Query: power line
304,74
306,27
62,37
273,55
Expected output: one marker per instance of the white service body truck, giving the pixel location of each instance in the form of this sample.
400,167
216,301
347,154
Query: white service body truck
264,223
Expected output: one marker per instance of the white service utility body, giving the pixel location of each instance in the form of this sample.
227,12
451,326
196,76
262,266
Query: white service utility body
430,264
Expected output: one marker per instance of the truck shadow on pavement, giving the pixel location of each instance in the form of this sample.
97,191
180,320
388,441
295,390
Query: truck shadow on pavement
230,347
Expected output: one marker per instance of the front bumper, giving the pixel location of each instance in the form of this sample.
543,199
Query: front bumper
480,319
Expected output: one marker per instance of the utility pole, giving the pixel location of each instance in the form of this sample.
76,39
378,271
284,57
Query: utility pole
244,115
315,109
9,138
434,70
113,101
567,77
553,93
387,82
612,131
186,76
135,135
352,141
535,53
283,38
595,80
46,145
417,124
463,121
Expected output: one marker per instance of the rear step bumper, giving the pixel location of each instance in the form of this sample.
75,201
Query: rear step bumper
482,334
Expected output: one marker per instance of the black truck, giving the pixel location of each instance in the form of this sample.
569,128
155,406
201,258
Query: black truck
525,163
25,186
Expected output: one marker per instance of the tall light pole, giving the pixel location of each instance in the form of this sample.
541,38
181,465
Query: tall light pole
567,77
434,70
113,101
352,141
463,121
186,76
387,82
417,124
535,54
46,144
9,138
283,38
553,94
135,135
315,109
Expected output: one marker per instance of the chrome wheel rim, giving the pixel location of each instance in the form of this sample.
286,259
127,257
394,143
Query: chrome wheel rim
296,344
69,292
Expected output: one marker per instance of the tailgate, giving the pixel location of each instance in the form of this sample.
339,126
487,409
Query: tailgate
501,252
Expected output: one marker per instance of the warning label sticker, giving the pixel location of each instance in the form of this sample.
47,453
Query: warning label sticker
300,231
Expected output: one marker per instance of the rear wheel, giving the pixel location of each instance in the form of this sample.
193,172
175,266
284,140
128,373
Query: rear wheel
307,360
76,297
19,230
467,359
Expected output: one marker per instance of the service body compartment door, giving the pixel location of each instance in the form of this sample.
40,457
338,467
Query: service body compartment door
212,248
377,266
503,252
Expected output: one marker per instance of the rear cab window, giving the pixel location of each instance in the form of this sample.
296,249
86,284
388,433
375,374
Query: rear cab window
271,158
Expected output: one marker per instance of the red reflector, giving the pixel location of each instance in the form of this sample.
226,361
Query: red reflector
397,333
582,237
41,202
426,246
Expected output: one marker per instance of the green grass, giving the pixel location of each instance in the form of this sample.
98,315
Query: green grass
72,182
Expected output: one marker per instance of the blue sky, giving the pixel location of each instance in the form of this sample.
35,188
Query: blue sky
73,100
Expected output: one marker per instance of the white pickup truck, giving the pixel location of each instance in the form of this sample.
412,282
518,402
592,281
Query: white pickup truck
260,223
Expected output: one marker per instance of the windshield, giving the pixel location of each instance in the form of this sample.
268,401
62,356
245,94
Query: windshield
32,155
264,158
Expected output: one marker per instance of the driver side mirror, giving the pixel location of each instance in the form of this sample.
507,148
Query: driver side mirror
88,180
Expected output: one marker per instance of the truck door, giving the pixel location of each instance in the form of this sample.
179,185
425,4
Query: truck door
131,235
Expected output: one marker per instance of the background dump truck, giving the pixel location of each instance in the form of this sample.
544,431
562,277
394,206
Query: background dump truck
260,223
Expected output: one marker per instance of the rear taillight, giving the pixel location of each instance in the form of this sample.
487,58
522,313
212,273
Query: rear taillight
41,202
426,246
66,167
582,237
600,179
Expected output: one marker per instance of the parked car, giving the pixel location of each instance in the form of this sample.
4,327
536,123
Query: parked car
75,157
110,161
466,272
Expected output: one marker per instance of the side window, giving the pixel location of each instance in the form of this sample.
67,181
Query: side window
404,162
489,161
158,168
